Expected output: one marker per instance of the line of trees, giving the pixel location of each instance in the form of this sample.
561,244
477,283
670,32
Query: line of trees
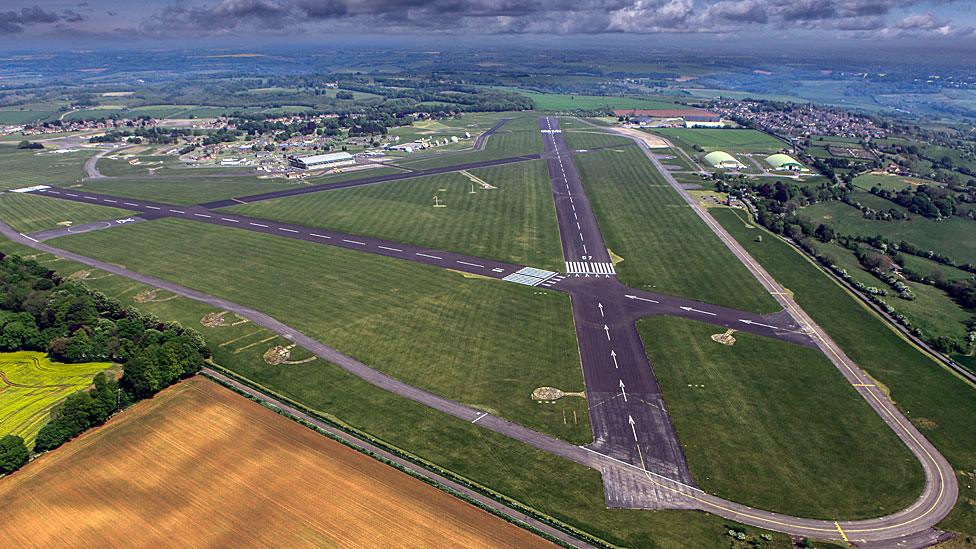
41,311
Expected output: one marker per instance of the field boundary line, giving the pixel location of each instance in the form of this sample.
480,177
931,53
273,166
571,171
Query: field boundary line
269,397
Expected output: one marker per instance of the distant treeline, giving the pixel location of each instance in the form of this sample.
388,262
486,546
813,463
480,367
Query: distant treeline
41,311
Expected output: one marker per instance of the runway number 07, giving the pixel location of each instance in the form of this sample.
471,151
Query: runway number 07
586,257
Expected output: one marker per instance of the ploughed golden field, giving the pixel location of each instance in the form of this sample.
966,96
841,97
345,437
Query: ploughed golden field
201,465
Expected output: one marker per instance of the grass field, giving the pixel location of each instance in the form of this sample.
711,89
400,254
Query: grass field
32,385
30,212
185,190
486,343
515,222
199,464
755,431
887,182
518,136
25,168
665,247
593,138
567,102
954,237
570,492
932,311
730,141
939,404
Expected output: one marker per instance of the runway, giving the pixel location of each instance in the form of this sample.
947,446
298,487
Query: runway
635,447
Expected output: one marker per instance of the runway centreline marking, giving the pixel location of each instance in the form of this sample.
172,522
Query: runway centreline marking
429,256
356,242
177,211
389,248
254,224
321,236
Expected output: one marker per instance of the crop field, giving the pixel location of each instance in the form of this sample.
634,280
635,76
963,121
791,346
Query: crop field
225,470
185,190
954,237
514,222
567,102
482,342
571,492
30,212
937,402
730,141
665,247
593,138
740,409
17,116
25,168
31,385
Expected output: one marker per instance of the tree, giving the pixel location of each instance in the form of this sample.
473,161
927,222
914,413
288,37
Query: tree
28,145
824,233
13,453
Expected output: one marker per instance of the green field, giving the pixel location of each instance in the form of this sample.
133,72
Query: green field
185,190
665,247
954,237
570,492
30,212
25,168
32,385
728,140
518,136
941,405
887,182
483,342
26,116
755,431
515,222
932,311
567,102
593,138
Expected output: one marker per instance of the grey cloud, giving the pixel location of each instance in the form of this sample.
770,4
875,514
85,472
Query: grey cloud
528,16
14,22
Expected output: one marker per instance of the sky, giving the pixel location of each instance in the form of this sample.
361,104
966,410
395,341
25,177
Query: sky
88,22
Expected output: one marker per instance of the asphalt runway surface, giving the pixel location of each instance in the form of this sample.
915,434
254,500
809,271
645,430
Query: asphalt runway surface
647,469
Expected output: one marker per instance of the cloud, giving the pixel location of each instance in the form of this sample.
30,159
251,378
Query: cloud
15,22
200,18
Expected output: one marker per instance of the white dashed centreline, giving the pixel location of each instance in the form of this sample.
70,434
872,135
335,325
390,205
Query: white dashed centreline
428,255
356,242
320,236
287,230
389,249
258,225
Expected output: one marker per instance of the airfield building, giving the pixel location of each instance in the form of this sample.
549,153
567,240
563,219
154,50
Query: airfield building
784,162
321,161
723,161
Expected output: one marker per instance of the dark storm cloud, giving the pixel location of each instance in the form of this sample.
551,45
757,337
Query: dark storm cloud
13,22
197,17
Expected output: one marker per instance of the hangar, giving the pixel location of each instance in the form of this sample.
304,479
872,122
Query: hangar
784,162
722,160
322,161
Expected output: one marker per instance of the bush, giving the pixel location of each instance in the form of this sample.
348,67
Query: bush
13,453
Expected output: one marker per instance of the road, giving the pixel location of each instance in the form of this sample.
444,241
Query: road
634,447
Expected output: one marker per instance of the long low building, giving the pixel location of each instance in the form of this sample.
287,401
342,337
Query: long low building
322,161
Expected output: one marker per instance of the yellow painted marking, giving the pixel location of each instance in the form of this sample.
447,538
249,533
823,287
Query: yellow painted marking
841,530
